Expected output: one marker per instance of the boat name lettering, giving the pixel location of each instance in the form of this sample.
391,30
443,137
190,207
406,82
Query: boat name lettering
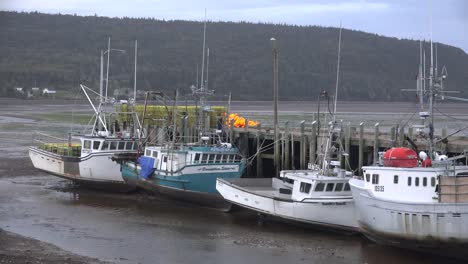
334,203
379,188
217,168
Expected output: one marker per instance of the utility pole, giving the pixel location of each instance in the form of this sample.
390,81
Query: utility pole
275,107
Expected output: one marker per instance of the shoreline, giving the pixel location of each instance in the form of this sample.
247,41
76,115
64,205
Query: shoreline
15,248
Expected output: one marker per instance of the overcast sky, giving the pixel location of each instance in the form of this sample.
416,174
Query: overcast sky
397,18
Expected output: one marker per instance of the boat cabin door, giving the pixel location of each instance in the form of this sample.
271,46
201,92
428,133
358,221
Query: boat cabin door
163,162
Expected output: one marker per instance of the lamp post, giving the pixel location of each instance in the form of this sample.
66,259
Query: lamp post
275,103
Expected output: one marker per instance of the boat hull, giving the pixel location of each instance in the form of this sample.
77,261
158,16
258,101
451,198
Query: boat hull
256,194
420,226
196,188
104,174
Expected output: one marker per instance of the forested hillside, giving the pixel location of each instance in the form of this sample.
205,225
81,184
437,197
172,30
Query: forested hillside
61,51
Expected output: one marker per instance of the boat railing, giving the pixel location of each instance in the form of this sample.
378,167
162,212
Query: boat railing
61,146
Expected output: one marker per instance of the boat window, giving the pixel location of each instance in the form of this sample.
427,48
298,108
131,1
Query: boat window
96,145
395,179
416,181
375,179
197,158
135,146
319,187
164,158
121,145
129,145
424,181
148,152
367,177
113,145
433,181
330,187
155,154
211,158
339,187
204,158
105,145
87,144
305,187
347,187
409,181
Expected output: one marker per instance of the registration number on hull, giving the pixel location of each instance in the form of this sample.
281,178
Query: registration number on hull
379,188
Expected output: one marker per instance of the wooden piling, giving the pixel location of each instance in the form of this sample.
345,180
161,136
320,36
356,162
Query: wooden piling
410,133
313,143
231,132
376,143
293,166
401,136
348,146
183,125
258,158
287,146
302,141
393,136
361,147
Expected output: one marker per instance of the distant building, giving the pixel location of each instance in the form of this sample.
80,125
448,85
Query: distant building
35,91
48,92
19,90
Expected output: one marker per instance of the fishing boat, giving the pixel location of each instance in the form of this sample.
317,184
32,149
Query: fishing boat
417,200
320,195
86,158
188,171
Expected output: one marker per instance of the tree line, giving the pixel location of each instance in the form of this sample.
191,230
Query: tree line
63,51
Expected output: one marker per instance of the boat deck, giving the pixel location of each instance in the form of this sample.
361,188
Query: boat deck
267,187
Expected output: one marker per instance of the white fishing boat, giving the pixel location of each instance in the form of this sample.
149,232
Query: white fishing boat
305,196
86,158
416,203
320,195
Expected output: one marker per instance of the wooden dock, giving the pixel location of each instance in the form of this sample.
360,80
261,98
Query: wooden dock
300,146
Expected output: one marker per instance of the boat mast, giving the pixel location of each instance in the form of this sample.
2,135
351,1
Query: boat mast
174,130
135,77
431,97
327,157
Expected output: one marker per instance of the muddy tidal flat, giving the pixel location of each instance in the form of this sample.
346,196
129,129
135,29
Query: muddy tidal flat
45,219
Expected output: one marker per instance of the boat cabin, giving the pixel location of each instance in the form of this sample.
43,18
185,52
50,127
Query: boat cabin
404,178
310,185
93,145
173,160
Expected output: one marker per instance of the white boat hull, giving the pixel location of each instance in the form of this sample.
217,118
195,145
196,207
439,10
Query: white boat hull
66,167
95,170
100,167
398,223
335,213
